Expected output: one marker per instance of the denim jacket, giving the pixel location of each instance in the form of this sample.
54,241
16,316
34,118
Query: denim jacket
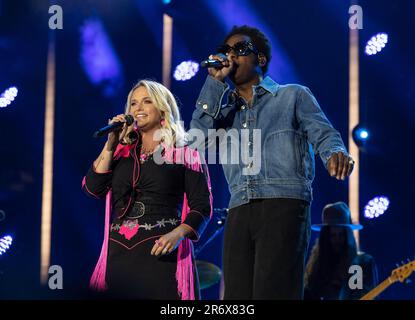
284,126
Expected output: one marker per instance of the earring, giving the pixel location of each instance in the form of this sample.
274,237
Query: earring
162,122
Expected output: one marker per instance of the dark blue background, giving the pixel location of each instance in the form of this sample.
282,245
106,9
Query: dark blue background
310,43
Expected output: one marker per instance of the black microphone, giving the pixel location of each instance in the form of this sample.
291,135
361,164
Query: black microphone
114,126
213,63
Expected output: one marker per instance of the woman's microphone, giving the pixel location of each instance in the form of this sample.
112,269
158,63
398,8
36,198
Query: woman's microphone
129,119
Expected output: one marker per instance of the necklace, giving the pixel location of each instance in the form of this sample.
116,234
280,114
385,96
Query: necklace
147,154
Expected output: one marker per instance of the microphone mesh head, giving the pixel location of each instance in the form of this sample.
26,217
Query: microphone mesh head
129,119
203,64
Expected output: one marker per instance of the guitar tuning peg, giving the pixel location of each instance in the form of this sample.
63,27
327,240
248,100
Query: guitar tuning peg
402,262
397,265
408,281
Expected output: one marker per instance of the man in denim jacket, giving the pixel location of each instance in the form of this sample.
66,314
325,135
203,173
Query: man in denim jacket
277,129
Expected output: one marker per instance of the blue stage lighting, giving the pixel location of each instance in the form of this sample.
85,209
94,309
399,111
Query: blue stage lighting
360,135
186,70
376,44
376,207
363,134
5,244
8,96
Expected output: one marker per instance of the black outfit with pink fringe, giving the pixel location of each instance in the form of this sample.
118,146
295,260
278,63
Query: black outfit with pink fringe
146,204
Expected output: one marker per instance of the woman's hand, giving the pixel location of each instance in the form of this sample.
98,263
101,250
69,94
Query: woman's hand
170,241
115,137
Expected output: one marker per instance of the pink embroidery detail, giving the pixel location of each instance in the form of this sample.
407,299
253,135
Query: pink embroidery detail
144,157
129,229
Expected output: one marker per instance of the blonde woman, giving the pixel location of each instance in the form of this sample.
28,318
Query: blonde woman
147,252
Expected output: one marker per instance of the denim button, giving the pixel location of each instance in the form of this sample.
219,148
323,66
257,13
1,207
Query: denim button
243,107
244,125
205,106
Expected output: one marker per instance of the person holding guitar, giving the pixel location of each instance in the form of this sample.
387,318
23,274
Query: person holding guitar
327,272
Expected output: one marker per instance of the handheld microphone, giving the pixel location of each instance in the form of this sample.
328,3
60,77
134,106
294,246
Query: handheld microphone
213,63
114,126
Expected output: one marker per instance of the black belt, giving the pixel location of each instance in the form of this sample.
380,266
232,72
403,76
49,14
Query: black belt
139,209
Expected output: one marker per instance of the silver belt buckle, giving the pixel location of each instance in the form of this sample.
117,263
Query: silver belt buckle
139,208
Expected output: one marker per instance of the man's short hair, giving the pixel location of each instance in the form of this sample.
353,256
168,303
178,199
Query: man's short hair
258,38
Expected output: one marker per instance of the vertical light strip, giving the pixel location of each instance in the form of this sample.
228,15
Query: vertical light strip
353,122
167,48
46,223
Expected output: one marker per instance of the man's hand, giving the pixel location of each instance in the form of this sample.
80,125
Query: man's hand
227,66
340,165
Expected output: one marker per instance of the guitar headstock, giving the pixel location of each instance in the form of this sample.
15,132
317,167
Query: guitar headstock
403,272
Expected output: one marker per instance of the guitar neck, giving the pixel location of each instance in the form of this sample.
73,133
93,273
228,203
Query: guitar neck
378,290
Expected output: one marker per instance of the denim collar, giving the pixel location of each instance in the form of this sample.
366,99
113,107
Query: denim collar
269,85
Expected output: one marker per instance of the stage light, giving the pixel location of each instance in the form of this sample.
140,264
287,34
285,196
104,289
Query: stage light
166,2
186,70
376,207
376,44
8,96
5,244
360,135
363,134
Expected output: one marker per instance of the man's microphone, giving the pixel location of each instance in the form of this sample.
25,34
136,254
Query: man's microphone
129,119
213,63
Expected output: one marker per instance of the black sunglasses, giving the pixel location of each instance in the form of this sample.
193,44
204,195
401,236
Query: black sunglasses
242,48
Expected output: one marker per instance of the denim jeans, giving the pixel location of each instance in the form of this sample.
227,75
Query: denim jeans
265,246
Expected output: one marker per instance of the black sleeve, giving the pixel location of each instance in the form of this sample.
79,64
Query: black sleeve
198,197
370,275
97,184
369,279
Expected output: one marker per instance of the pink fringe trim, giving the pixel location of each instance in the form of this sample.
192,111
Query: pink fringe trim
97,281
184,271
98,278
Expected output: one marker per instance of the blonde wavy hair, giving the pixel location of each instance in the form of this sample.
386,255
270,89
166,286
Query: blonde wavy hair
172,133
